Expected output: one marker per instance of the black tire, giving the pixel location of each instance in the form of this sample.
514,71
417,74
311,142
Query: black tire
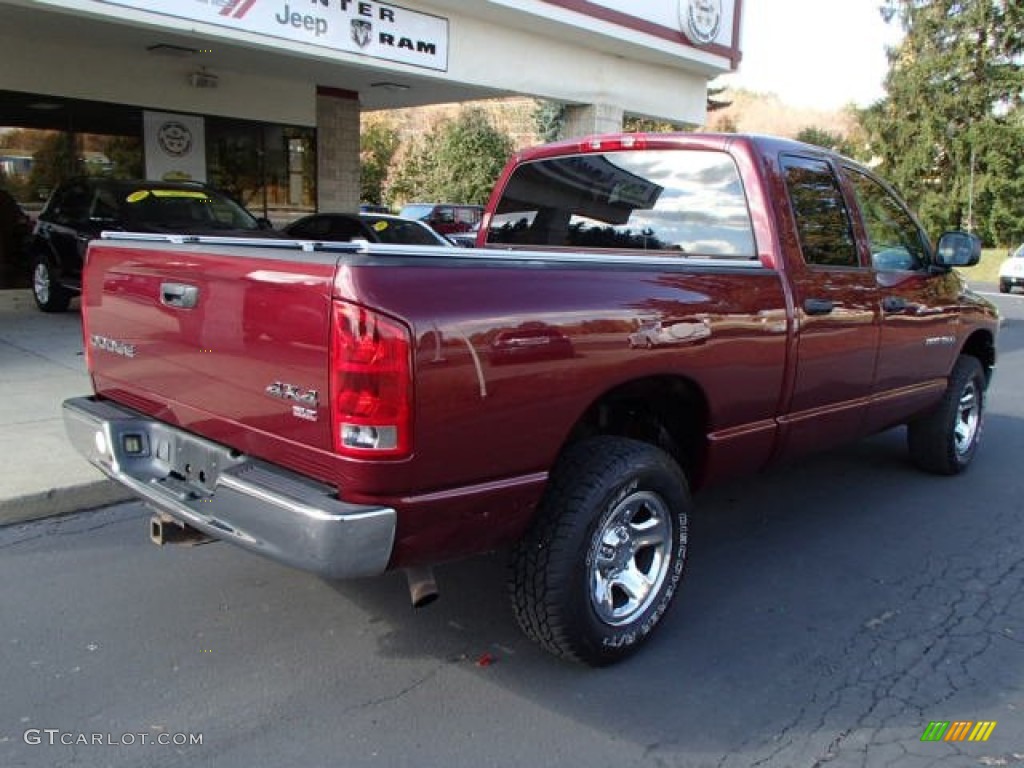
49,294
614,510
945,440
1004,287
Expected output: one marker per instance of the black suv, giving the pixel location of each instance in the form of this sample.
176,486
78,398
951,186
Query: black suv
80,209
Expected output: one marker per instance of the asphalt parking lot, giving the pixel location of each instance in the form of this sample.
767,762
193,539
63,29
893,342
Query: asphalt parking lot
832,610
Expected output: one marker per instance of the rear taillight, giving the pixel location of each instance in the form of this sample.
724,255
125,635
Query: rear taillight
86,345
371,383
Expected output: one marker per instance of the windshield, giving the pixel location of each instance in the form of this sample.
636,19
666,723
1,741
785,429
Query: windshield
398,232
417,211
188,209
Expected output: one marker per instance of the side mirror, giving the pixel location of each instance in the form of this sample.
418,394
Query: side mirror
264,223
958,249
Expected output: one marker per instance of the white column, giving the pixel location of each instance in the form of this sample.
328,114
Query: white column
586,119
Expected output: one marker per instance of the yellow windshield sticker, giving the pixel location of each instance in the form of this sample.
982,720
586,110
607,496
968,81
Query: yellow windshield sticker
192,193
142,194
380,226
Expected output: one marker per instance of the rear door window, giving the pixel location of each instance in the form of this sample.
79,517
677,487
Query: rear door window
820,214
674,201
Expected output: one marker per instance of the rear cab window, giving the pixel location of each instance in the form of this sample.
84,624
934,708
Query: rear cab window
683,202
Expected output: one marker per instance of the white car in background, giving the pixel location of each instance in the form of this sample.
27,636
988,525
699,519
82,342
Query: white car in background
1011,271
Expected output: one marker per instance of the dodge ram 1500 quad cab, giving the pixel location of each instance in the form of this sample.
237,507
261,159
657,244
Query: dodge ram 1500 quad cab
645,314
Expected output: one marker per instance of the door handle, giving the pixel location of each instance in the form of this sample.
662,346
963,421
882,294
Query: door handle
818,306
179,295
894,304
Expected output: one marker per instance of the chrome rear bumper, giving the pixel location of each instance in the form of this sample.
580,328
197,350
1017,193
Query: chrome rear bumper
229,496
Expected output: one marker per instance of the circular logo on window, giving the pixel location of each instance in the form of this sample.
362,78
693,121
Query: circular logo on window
174,138
702,19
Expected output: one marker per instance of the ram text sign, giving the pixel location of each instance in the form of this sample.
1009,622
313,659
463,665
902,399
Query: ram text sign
379,30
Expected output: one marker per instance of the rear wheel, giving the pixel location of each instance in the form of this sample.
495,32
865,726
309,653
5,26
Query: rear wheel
49,294
945,440
599,568
1004,286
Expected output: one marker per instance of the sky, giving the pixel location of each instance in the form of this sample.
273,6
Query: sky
821,54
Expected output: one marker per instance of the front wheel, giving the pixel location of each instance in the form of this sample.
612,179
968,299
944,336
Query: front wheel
49,294
598,569
1004,286
945,440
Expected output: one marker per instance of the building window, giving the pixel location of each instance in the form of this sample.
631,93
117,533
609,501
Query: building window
270,169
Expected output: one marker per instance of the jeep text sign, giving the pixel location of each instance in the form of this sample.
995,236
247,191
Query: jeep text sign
363,27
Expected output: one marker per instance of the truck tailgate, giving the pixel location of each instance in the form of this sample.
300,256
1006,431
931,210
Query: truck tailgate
228,341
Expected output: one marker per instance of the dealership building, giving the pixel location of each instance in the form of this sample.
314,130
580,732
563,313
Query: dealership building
272,90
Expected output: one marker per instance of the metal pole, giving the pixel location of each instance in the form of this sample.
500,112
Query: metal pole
970,195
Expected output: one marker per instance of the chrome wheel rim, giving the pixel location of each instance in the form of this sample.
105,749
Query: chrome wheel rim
968,418
41,283
630,558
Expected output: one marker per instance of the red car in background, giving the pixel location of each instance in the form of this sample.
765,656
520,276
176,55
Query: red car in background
446,218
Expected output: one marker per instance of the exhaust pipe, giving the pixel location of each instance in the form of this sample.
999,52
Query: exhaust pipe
164,529
422,587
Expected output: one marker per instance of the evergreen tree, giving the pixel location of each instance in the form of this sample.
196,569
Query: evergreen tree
949,131
821,137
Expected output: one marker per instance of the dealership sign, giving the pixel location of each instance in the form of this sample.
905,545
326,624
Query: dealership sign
704,23
175,146
379,30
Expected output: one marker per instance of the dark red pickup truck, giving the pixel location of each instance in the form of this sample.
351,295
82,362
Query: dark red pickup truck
646,314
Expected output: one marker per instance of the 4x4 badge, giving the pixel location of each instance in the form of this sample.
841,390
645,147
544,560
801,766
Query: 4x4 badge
285,391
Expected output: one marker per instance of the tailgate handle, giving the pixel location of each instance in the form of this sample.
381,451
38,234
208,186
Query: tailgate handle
179,295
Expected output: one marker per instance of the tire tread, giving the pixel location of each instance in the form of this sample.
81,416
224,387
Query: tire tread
928,437
542,561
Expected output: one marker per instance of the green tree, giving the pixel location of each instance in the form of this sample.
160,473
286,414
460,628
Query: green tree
549,120
949,131
456,161
821,137
125,155
378,143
